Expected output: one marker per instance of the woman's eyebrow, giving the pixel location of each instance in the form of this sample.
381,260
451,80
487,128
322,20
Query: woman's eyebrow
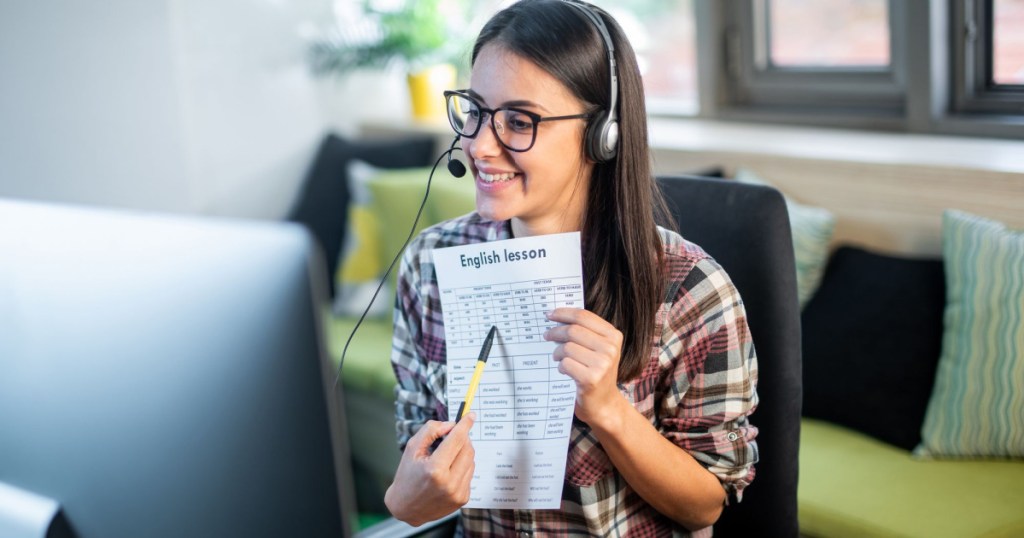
518,102
526,103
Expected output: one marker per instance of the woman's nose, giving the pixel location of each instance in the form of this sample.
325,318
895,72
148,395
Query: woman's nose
485,143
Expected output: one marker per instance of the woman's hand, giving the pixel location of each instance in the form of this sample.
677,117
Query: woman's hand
429,486
588,351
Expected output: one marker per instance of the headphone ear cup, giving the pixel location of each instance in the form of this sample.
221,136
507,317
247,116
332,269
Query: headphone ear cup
602,139
610,139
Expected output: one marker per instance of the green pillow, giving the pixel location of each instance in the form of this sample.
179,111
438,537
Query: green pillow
397,195
977,404
451,197
812,229
384,204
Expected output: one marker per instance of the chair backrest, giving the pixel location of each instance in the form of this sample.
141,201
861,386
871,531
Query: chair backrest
746,229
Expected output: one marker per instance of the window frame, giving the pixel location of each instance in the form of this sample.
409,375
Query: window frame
974,88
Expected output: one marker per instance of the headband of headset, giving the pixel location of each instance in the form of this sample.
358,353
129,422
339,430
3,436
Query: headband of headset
603,133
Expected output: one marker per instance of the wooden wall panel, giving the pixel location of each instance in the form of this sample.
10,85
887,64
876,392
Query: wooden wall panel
892,208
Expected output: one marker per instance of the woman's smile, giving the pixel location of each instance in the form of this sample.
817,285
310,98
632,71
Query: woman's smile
489,178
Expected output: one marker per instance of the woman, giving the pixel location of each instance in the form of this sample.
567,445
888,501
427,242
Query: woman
662,358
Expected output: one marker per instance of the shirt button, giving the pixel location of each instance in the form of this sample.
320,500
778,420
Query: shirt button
525,534
733,436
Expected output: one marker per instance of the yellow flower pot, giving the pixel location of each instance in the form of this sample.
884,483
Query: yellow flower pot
426,88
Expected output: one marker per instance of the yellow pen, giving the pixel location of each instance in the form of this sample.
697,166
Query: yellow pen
481,360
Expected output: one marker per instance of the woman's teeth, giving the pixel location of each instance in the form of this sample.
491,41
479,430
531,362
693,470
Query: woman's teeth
491,178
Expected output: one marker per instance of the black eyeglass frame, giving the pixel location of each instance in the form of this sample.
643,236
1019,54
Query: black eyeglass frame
537,118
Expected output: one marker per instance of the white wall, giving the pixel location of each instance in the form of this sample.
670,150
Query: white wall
172,105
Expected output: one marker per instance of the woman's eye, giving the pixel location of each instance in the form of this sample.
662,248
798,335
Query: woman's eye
520,123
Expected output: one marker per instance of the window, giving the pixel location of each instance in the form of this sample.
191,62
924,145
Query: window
988,72
814,59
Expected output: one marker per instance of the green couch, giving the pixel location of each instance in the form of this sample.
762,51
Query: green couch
851,485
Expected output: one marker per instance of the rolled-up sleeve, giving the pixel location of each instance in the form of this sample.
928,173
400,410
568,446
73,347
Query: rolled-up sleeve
711,386
415,401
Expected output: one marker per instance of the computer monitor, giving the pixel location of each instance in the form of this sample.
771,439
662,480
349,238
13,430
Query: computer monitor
166,376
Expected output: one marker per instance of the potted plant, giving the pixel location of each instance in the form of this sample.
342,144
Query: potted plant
417,35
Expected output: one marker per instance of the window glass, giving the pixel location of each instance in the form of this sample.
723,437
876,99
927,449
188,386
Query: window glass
828,33
661,31
1008,42
663,35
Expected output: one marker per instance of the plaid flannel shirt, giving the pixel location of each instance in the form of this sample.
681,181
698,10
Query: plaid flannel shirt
698,389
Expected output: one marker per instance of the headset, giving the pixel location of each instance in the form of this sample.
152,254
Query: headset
602,136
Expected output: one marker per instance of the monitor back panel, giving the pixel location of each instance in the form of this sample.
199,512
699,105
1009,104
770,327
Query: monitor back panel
163,376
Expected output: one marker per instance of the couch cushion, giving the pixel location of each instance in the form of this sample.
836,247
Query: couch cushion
368,361
871,340
853,485
977,407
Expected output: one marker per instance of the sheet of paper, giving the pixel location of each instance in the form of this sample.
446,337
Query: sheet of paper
524,406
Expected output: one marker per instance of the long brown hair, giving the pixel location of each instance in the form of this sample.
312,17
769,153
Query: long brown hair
622,252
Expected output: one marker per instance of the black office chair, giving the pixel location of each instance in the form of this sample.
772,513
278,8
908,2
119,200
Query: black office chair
746,229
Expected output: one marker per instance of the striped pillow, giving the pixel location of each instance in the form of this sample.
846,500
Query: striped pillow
812,229
977,404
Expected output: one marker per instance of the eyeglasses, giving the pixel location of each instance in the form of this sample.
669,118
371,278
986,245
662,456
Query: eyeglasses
515,128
